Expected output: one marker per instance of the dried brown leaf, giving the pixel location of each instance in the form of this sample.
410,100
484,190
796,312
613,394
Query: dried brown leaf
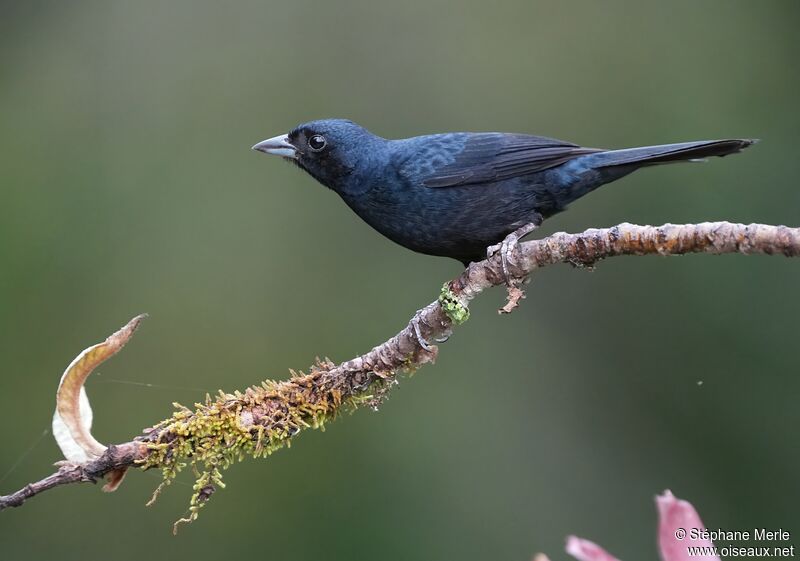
72,419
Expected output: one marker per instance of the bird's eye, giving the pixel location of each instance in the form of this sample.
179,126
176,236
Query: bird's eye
317,142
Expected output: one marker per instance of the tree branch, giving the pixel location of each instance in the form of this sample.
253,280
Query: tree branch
264,418
121,456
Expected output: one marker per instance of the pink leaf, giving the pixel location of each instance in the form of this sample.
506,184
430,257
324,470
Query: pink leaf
677,519
584,550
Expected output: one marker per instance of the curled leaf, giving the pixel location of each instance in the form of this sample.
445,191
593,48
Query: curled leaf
72,420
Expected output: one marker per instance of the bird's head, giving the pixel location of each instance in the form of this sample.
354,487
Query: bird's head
333,151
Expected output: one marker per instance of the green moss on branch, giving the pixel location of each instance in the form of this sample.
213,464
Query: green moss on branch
255,423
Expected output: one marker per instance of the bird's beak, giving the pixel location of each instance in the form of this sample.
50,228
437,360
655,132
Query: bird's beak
278,146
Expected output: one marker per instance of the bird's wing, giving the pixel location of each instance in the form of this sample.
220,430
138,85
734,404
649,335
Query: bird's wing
489,157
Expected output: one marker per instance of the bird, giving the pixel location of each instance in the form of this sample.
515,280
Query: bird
465,195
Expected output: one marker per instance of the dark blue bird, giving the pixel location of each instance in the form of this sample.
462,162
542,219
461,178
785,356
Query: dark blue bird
457,194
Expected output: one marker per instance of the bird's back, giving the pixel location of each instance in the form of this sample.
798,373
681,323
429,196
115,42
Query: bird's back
456,221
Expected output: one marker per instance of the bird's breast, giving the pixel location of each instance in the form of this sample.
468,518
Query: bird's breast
458,222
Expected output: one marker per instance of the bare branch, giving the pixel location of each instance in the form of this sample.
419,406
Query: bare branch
114,457
263,418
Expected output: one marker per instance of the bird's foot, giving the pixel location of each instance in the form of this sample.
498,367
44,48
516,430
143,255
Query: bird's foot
508,246
418,334
416,322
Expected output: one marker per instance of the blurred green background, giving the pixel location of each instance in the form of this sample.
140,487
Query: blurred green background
128,186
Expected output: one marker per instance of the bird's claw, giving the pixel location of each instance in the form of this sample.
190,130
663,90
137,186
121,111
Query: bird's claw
426,346
443,339
418,334
507,247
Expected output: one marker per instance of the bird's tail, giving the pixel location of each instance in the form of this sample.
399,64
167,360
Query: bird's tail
669,153
588,172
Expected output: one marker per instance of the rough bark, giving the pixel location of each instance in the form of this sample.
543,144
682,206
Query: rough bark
262,418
